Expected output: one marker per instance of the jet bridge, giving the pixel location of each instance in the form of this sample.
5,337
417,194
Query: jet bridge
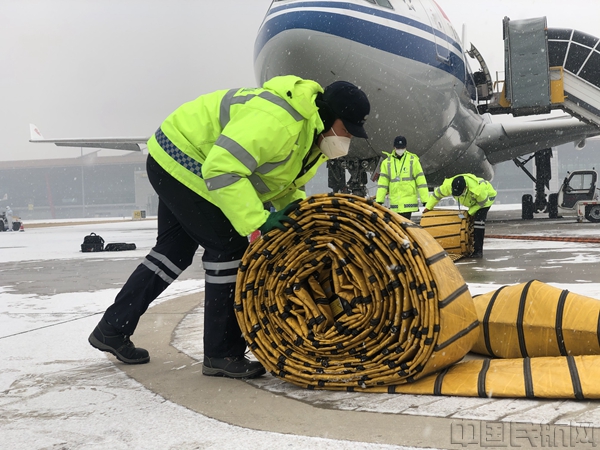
547,69
579,55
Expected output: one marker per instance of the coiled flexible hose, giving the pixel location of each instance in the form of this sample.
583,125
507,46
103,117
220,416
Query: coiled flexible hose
353,297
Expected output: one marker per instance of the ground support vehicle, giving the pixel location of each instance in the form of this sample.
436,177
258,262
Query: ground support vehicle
577,196
16,226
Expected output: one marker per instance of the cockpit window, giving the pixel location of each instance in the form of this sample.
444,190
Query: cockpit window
385,4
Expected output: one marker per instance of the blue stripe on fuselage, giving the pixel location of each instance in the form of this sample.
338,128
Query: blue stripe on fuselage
374,35
370,11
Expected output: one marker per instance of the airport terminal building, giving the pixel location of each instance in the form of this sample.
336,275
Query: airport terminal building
88,186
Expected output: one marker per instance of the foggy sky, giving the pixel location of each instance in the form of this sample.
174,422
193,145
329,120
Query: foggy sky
99,68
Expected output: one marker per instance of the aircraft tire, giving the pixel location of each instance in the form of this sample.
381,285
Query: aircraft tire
553,206
527,207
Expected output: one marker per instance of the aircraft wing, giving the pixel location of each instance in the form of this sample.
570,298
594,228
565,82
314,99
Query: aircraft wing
506,141
117,143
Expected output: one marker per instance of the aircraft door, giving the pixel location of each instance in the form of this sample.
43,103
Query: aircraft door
438,24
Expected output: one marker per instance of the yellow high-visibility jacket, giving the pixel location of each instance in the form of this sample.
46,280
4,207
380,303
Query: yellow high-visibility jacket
240,148
479,193
402,178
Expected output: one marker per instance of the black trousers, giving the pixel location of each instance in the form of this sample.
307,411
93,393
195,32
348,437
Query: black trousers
186,221
479,219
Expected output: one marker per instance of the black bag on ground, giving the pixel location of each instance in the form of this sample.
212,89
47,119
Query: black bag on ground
92,243
118,246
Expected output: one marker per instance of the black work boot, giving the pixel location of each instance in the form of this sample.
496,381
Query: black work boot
232,367
106,338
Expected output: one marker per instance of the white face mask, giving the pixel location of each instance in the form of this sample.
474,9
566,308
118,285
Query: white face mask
400,151
335,146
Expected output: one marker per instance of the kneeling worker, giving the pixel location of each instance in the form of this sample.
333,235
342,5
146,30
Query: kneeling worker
401,177
475,193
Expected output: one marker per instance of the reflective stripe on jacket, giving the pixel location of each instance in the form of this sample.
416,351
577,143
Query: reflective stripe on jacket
240,148
479,193
402,178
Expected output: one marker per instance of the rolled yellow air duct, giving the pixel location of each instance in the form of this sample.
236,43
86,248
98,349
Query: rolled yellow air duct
452,229
356,298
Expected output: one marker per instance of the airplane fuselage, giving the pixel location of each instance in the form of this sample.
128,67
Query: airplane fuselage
407,58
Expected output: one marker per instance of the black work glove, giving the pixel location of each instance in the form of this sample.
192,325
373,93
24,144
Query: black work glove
277,218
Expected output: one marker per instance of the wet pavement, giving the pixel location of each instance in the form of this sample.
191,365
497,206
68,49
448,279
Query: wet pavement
172,331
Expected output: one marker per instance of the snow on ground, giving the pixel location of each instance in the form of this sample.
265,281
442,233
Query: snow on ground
59,392
56,391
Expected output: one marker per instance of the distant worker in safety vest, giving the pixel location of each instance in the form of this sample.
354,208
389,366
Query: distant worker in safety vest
475,193
402,179
9,219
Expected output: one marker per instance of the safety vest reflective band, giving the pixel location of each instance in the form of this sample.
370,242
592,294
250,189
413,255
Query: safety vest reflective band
160,265
229,100
257,182
249,162
208,265
221,272
185,160
437,194
217,279
239,152
489,199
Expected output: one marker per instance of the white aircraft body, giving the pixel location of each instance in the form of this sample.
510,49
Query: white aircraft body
408,58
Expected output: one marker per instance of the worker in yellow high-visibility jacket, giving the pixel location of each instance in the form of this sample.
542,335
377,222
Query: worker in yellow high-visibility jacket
401,178
214,163
473,192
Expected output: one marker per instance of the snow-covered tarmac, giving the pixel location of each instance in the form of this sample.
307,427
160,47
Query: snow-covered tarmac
59,392
56,391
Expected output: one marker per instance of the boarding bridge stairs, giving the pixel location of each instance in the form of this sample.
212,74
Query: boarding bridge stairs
548,69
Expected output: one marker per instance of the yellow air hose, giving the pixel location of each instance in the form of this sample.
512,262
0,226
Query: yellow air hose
451,229
536,319
354,297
